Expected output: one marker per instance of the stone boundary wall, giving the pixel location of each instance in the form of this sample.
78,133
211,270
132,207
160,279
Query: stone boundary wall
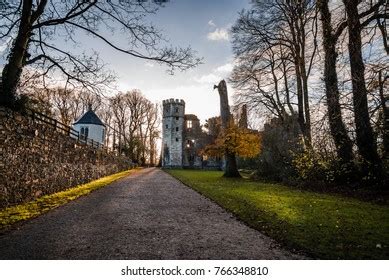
36,159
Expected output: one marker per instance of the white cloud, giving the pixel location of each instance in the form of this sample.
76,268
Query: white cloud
208,79
211,23
149,64
220,34
217,74
224,69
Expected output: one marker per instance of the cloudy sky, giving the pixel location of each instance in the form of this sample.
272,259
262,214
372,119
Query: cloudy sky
201,24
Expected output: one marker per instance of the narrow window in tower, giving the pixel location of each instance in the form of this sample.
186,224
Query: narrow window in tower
177,128
189,124
167,126
176,139
176,118
176,110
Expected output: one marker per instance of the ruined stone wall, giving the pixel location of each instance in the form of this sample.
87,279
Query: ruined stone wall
193,142
37,159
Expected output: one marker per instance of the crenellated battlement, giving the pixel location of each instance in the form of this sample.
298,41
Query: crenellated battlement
173,108
173,101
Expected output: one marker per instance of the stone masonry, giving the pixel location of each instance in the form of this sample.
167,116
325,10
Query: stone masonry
172,137
183,139
38,159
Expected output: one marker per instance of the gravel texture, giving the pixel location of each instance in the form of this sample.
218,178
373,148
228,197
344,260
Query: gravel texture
147,215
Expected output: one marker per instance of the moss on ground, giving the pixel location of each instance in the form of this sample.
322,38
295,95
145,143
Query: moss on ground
325,226
25,211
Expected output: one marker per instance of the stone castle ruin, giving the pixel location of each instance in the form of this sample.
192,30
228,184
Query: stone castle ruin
183,139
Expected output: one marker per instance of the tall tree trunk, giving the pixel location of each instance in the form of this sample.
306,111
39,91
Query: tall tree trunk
384,33
294,12
307,113
286,83
299,87
114,138
279,107
385,113
300,100
338,130
364,133
152,151
300,30
13,69
231,169
120,139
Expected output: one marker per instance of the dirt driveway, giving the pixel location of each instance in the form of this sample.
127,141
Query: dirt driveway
147,215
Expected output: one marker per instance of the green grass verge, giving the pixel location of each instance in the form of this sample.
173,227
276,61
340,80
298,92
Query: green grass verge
325,226
25,211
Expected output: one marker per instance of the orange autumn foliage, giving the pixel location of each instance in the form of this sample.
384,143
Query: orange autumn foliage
243,142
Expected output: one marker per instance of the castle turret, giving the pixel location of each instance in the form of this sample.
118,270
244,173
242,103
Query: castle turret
172,132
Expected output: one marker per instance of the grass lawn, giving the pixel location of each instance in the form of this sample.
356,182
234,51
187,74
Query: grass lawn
22,212
324,226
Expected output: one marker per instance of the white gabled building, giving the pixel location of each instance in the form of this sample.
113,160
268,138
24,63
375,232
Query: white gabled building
90,127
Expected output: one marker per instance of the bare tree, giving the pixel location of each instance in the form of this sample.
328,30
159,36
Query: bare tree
89,100
377,78
66,104
36,26
137,106
382,25
262,82
274,35
105,112
120,112
152,131
38,95
383,83
137,121
343,143
364,133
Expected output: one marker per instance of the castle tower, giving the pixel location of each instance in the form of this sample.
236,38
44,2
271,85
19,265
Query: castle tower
172,132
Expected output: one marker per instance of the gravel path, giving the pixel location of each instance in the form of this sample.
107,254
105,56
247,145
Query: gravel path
147,215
